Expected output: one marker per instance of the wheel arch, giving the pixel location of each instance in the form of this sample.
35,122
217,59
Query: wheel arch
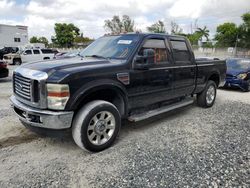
112,92
214,76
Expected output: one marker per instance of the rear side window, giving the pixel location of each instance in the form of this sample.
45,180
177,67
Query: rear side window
180,51
160,49
47,51
36,51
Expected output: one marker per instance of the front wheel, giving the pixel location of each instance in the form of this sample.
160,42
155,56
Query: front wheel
248,87
207,97
17,62
96,125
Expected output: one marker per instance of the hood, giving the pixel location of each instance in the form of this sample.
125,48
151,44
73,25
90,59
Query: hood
235,72
11,54
68,64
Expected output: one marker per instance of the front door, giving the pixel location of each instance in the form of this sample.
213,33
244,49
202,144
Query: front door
154,84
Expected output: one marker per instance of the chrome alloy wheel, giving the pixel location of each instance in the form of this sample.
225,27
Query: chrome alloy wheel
101,128
210,95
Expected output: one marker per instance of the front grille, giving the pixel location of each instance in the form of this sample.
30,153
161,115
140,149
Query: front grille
230,76
22,87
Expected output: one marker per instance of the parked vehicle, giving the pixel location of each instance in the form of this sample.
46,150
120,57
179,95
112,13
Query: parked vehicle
32,55
67,55
29,55
238,73
4,71
207,58
13,58
7,50
129,76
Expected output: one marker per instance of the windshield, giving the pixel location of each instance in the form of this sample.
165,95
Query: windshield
238,64
114,47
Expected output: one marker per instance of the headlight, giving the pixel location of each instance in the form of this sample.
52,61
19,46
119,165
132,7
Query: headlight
57,96
242,76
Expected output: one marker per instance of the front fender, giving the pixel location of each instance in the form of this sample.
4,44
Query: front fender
93,86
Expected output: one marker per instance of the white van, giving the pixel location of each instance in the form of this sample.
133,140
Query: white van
32,55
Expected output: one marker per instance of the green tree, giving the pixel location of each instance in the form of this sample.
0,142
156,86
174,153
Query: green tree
157,27
65,34
118,25
176,29
43,40
226,35
203,32
244,31
82,39
34,39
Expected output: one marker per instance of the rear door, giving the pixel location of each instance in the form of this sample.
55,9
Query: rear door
37,55
185,67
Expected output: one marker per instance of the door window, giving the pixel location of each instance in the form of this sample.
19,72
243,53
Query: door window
180,51
27,52
158,45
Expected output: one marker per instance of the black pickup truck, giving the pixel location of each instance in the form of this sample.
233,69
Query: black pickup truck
129,76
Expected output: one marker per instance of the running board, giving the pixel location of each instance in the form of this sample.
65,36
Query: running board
151,113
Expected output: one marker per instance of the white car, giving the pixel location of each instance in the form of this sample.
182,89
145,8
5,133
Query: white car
32,55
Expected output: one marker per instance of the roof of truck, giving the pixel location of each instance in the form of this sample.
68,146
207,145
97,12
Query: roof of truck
149,34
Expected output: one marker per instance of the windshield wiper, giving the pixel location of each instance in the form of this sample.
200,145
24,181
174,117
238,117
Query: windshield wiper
97,56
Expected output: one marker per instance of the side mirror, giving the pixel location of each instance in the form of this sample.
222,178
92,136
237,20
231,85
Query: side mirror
145,61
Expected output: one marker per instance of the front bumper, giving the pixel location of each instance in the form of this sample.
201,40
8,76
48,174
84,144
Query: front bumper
234,82
9,61
4,73
42,118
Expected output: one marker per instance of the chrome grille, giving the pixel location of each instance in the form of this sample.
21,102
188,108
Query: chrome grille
22,86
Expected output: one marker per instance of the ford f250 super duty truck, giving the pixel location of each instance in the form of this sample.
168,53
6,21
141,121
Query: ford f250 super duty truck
133,76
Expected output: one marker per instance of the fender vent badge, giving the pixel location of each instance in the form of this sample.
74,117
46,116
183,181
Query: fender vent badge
123,77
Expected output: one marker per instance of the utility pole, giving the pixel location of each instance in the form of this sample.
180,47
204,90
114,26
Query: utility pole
235,47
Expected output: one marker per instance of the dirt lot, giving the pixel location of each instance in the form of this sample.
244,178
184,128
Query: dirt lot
188,147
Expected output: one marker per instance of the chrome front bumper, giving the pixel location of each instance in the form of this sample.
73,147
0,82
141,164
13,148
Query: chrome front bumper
42,118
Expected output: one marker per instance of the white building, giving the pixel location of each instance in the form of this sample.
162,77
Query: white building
13,35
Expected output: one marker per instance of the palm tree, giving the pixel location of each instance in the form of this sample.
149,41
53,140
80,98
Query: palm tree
203,32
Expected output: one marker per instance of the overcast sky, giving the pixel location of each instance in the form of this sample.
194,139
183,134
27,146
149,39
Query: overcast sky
89,15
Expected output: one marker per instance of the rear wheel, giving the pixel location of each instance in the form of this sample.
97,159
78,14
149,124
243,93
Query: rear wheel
207,97
96,125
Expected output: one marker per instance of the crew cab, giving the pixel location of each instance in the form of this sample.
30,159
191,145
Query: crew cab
130,76
29,55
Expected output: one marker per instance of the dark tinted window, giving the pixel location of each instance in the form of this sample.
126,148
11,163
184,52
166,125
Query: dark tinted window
47,51
159,47
36,51
28,52
17,40
180,51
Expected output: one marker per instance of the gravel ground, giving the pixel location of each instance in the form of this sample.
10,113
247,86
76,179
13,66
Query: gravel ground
190,147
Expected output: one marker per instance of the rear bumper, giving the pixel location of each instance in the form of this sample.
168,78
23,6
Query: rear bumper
42,118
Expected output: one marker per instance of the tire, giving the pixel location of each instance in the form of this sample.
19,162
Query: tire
248,87
90,129
207,97
46,58
17,62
